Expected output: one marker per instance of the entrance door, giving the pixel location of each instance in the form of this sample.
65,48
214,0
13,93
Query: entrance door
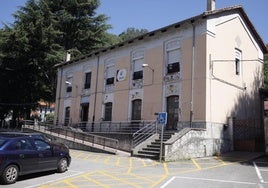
67,116
172,112
84,112
136,110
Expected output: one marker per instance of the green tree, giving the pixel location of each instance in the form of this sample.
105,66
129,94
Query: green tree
43,30
131,33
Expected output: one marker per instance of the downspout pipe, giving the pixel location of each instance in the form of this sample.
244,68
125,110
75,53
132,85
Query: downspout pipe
95,97
59,97
192,77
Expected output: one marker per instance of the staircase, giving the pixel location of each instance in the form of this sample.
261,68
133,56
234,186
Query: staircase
152,150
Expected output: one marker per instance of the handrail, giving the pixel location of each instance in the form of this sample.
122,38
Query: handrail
122,127
144,133
74,134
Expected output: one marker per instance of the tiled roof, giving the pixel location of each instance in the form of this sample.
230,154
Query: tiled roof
204,15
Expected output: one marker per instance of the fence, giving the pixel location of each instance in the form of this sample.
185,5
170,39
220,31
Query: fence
248,134
74,134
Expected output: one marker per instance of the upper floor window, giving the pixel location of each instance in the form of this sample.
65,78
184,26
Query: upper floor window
173,53
137,61
87,80
68,83
110,75
238,56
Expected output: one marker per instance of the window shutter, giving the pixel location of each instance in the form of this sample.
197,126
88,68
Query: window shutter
174,56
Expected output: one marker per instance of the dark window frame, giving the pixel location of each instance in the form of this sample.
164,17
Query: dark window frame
173,67
88,77
138,75
110,81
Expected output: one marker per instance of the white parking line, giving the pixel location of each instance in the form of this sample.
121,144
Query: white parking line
205,179
258,172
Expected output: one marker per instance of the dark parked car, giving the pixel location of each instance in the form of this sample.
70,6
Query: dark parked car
24,154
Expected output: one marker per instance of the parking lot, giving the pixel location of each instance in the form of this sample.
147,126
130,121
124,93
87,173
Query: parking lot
103,170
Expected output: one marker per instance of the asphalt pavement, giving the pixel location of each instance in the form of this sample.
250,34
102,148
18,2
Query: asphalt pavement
94,170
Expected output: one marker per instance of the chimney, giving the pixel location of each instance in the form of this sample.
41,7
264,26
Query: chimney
68,55
211,5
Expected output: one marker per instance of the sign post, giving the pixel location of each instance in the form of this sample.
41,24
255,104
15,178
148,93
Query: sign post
162,120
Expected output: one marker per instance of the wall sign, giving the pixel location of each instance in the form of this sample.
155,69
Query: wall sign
121,75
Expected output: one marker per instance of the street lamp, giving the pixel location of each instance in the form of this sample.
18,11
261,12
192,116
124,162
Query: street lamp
146,65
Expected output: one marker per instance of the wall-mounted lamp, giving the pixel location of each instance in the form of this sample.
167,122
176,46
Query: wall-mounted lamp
146,65
68,83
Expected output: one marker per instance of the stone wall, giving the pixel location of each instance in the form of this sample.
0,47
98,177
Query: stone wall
196,142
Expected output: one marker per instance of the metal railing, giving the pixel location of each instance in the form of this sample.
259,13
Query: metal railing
74,134
123,127
144,133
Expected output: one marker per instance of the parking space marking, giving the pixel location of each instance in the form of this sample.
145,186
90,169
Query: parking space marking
196,164
121,171
205,179
258,172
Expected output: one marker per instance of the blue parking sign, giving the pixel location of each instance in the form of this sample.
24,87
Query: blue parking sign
162,118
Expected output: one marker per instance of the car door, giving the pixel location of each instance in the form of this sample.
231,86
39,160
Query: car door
47,160
25,154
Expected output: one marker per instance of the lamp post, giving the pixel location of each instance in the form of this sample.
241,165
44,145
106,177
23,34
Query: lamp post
146,65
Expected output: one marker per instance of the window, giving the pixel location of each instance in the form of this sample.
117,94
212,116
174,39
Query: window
109,75
108,111
173,67
173,53
137,61
87,80
237,61
69,89
137,75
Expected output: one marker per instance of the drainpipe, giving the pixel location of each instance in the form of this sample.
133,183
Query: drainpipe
95,97
192,77
59,97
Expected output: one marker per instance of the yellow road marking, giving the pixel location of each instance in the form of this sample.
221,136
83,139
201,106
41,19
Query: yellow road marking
130,166
224,163
166,168
196,164
120,179
69,183
96,182
118,161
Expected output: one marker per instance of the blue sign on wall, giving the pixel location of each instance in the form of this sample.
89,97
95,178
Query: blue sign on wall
162,118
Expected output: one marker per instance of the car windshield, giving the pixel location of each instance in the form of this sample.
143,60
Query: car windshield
2,141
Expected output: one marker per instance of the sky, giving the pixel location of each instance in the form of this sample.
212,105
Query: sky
155,14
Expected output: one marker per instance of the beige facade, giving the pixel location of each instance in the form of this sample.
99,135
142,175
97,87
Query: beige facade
209,66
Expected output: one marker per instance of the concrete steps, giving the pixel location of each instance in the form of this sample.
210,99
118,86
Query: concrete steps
152,150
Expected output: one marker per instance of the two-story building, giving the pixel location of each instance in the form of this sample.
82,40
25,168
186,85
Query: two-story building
202,71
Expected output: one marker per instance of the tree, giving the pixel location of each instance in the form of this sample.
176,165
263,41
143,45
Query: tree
132,33
43,30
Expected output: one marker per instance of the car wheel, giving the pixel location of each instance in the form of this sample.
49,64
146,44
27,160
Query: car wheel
62,165
10,174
